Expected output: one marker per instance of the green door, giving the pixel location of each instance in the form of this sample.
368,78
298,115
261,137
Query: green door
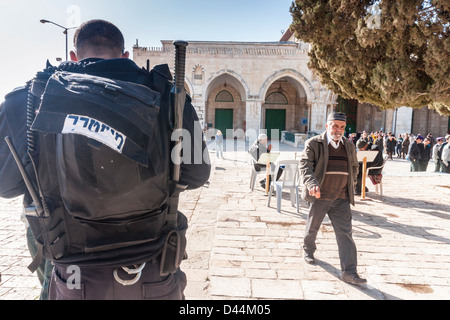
224,120
350,108
275,120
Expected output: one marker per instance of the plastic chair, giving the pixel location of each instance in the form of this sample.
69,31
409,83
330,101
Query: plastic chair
254,173
289,180
381,182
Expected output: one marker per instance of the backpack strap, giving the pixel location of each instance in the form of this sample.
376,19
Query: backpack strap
161,74
38,258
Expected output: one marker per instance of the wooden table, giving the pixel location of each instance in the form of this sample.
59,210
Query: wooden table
364,157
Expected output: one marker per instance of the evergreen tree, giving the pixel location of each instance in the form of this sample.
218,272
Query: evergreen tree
388,53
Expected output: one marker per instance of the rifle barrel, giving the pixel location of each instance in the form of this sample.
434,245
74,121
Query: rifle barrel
24,174
180,98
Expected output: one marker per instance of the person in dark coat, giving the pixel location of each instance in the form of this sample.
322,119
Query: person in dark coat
414,153
405,145
390,145
425,154
328,170
256,150
363,145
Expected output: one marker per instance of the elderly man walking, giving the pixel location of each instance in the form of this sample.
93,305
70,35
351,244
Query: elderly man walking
329,168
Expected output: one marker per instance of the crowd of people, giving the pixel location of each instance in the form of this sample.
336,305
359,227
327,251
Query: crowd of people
414,148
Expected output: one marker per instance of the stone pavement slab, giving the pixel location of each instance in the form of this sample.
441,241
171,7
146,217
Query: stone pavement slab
241,249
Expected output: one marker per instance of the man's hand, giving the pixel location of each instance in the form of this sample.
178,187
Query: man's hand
314,192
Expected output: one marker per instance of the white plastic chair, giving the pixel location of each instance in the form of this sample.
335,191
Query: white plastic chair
381,182
289,180
254,173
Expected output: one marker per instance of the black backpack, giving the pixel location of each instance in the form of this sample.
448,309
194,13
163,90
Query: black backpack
103,170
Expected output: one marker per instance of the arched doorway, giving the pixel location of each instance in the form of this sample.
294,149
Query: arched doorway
285,108
225,106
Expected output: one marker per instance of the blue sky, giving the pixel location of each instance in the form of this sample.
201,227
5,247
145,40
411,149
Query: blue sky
27,43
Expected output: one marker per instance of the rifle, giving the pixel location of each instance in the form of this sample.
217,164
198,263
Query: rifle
34,214
41,209
179,94
175,243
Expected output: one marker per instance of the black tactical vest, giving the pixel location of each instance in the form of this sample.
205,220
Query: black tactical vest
103,165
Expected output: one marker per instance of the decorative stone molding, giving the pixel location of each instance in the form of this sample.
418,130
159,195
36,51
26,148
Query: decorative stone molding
251,51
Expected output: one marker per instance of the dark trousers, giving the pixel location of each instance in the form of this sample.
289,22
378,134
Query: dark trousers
423,165
259,167
100,284
437,165
340,215
415,165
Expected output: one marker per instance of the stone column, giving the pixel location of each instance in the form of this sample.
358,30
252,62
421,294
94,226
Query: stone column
318,117
200,108
253,118
404,120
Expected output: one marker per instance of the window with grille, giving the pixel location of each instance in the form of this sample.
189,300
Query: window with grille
198,75
276,98
224,96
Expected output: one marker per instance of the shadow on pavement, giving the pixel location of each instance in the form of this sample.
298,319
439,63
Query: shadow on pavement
366,289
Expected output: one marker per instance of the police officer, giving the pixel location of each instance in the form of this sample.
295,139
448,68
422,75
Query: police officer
99,50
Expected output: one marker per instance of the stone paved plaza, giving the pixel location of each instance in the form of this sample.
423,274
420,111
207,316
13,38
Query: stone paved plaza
239,248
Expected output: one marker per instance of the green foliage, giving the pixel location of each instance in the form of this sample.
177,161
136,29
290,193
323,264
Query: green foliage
388,53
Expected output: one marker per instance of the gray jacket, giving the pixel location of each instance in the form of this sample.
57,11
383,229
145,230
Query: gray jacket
314,162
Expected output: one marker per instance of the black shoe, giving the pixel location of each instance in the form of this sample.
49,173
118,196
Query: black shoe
309,258
353,279
358,193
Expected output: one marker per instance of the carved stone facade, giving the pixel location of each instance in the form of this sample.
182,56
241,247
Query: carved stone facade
248,78
249,87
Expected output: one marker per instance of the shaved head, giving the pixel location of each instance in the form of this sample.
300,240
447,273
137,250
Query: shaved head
98,39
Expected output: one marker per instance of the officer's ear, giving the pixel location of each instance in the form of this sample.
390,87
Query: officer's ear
73,56
125,55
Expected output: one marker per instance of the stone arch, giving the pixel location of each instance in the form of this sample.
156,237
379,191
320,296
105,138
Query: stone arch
198,66
225,114
295,110
303,84
237,81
